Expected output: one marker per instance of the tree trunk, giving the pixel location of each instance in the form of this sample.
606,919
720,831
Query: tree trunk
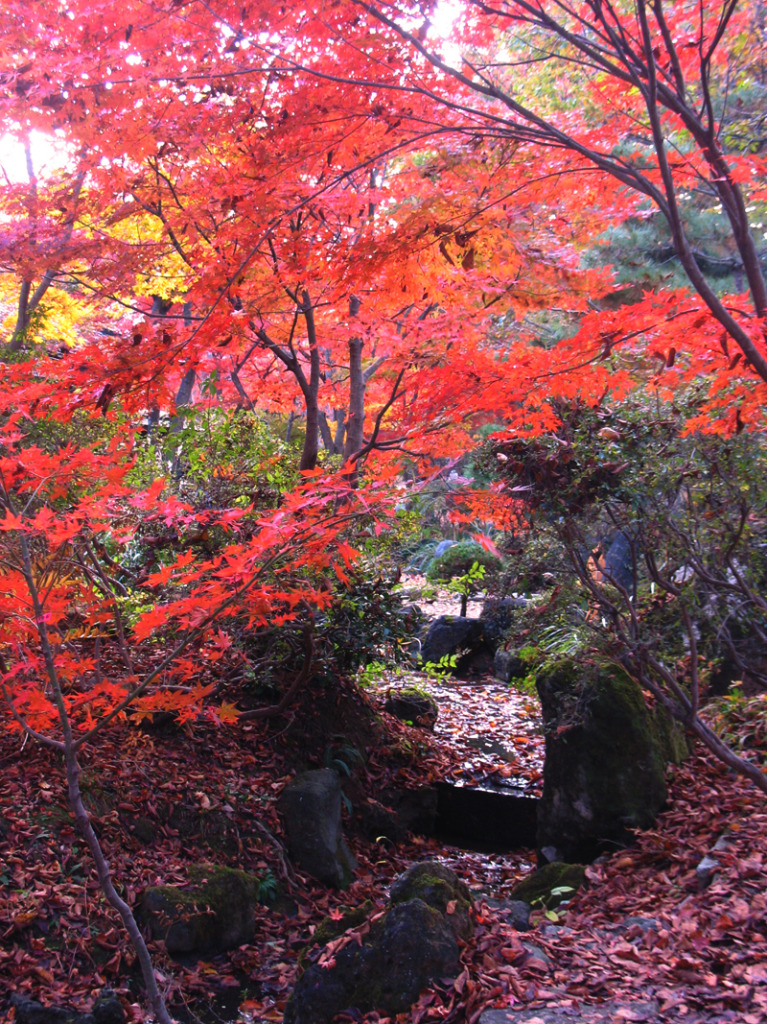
311,390
356,422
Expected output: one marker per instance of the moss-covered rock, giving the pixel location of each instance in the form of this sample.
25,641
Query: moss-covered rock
214,914
440,888
606,755
413,706
384,964
330,928
540,888
403,952
672,739
310,807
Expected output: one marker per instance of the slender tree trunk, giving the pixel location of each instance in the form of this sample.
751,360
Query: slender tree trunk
311,389
69,748
356,421
338,437
289,428
104,874
22,318
327,437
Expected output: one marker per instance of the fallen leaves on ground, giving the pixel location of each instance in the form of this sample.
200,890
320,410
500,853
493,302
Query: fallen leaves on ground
642,933
488,734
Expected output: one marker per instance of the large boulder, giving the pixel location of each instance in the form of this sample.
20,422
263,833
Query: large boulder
385,964
452,634
550,885
215,913
441,889
606,755
508,665
310,807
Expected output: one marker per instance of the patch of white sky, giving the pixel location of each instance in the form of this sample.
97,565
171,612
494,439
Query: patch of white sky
443,31
48,154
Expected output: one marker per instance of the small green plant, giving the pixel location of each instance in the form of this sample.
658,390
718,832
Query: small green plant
742,721
132,606
544,902
462,567
440,670
561,641
342,758
268,887
467,584
371,674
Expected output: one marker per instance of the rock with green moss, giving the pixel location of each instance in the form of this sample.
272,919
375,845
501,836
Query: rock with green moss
550,886
606,756
215,913
413,706
440,888
330,928
384,965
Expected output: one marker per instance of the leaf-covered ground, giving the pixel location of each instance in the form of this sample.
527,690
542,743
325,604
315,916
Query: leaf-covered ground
644,933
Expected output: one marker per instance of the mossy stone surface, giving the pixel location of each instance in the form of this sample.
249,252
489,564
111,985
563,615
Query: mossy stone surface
440,888
385,965
606,756
537,889
310,808
330,928
404,951
413,706
214,914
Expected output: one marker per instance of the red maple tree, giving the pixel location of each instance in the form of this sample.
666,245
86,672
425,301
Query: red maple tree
327,215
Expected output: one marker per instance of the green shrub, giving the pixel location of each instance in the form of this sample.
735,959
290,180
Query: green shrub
459,559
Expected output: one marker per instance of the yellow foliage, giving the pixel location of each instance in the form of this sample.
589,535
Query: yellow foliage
62,318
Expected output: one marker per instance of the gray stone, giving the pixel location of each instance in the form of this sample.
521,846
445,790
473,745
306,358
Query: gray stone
310,807
507,665
636,927
413,707
497,616
646,1011
606,755
441,889
386,965
533,952
450,634
517,913
705,871
709,865
215,913
513,912
406,950
543,888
